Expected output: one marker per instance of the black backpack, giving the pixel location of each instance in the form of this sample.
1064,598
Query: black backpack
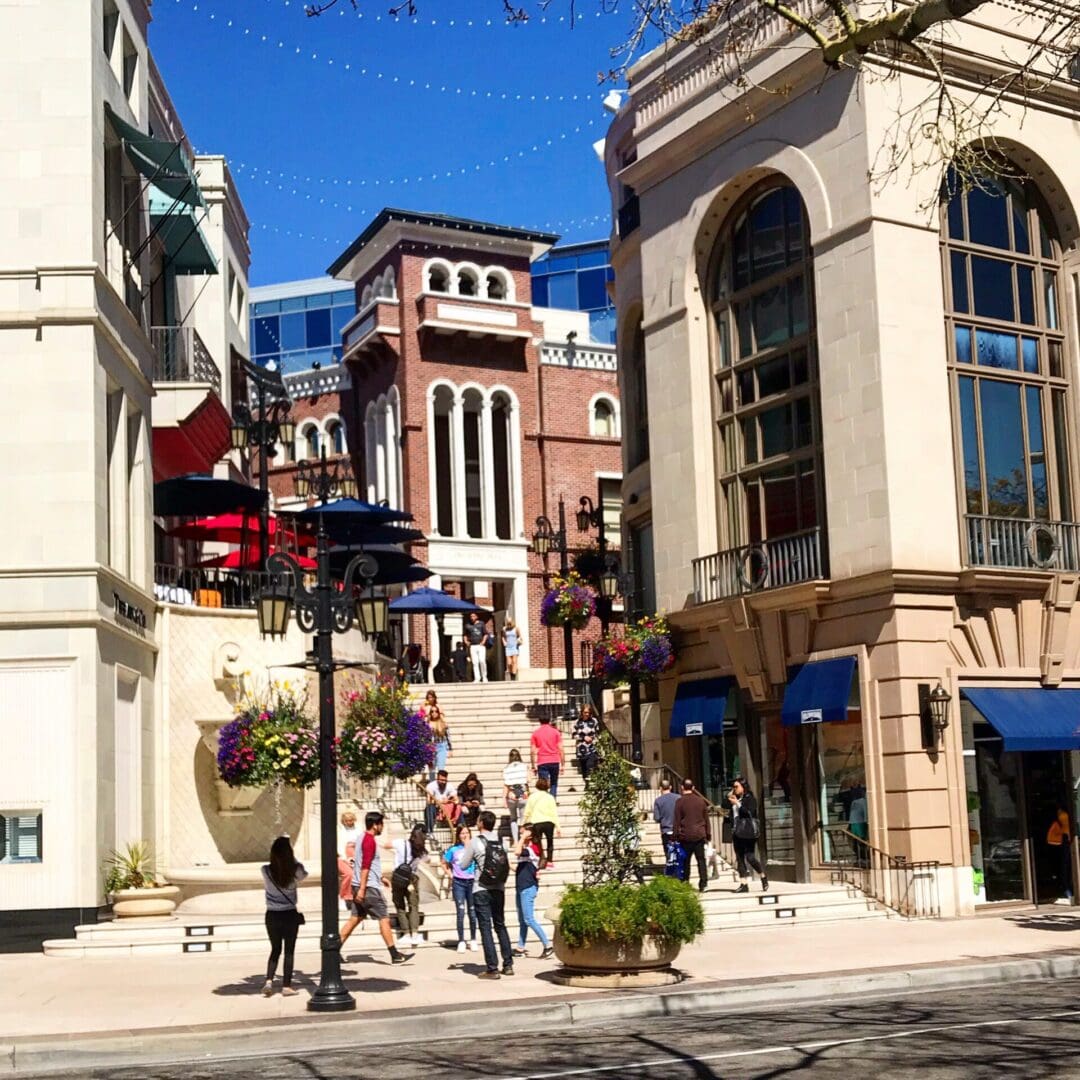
494,867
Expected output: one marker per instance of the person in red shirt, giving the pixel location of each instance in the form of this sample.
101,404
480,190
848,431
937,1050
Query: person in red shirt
546,752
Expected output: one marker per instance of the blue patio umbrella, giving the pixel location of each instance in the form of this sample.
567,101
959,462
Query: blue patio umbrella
342,512
395,566
427,601
199,495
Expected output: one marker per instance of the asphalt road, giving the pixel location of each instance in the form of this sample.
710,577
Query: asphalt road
1031,1031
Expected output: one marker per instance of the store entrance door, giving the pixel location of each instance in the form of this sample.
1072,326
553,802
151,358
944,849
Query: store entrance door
1046,791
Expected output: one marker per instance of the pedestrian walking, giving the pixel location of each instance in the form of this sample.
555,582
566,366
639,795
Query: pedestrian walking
471,797
442,802
444,748
369,898
409,853
347,837
1058,838
692,830
542,814
459,659
281,875
512,642
586,738
546,753
744,834
526,887
489,895
515,790
663,813
477,638
462,880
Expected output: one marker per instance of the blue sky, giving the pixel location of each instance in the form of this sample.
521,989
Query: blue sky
453,111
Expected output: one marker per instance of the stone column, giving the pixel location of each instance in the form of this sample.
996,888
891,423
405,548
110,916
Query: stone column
457,465
487,472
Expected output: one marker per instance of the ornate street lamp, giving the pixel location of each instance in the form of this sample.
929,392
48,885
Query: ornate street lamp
322,481
544,539
323,610
939,707
933,714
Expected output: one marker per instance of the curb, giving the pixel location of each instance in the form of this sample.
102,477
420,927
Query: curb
219,1042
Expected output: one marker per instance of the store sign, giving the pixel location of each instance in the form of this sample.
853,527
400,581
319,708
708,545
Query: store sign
127,613
810,716
695,729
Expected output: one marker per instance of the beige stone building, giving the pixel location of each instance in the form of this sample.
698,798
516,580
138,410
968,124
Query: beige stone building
852,459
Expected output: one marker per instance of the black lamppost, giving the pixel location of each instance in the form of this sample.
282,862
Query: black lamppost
324,611
272,425
591,515
317,480
544,539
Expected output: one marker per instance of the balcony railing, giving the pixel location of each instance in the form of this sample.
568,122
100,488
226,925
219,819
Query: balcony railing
181,356
1022,543
770,564
211,587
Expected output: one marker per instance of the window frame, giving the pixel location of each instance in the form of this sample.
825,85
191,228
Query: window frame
6,858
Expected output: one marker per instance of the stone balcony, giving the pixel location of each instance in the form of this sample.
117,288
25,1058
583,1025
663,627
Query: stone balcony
768,564
372,328
473,316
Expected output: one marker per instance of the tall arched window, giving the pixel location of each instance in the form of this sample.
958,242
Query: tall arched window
310,441
767,401
603,419
467,285
335,434
1007,364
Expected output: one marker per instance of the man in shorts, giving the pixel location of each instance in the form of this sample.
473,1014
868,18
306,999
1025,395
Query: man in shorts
369,899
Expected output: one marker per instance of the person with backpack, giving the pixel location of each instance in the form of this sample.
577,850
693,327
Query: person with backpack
527,885
489,894
281,875
744,834
409,853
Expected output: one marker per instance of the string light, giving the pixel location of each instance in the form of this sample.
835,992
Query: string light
365,72
418,20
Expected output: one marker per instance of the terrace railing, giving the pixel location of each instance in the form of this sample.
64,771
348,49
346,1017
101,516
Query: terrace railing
769,564
181,356
1022,543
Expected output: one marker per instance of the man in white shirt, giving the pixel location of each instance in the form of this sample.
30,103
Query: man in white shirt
442,802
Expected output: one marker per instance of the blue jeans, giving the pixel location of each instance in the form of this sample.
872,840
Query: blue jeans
551,774
527,920
491,914
463,901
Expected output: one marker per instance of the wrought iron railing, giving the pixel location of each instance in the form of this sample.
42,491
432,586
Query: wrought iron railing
1022,543
181,356
770,564
629,216
910,888
213,587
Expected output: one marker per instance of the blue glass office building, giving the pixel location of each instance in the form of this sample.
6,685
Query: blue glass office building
575,276
299,323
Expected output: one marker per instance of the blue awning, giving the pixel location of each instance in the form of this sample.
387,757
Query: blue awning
699,707
1036,718
819,692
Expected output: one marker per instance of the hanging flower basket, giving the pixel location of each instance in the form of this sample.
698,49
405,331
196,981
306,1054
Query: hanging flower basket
643,649
382,734
569,602
272,740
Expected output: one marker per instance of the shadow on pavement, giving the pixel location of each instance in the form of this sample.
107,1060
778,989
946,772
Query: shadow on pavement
1046,922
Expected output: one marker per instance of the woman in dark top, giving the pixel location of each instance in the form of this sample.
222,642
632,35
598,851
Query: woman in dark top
744,834
281,875
526,886
471,793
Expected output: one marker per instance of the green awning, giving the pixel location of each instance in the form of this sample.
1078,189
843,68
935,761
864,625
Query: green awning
163,163
176,225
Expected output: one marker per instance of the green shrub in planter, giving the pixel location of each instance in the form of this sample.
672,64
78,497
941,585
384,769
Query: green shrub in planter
665,908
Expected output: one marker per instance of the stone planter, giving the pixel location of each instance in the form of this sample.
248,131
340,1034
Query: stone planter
617,964
139,903
232,801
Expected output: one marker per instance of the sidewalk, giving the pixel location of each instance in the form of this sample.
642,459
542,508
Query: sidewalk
59,1004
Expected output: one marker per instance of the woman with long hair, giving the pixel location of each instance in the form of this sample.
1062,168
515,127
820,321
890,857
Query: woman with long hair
587,740
437,719
409,853
281,876
471,796
512,642
462,880
744,833
515,790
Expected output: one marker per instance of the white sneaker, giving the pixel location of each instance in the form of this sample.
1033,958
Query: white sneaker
461,946
417,939
474,946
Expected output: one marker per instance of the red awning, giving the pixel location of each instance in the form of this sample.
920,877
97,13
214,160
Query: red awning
195,445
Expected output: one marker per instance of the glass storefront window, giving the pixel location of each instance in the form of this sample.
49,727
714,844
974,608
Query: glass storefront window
778,767
842,794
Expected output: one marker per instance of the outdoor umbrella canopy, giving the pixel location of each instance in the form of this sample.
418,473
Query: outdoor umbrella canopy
234,529
395,567
425,601
344,512
366,535
249,559
197,493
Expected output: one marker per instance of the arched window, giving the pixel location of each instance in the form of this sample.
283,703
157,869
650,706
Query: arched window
767,402
467,284
1007,365
309,441
603,418
497,285
502,450
635,394
438,279
335,435
442,465
366,296
387,288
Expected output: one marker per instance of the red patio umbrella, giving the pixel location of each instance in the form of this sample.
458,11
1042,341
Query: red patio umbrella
238,529
249,560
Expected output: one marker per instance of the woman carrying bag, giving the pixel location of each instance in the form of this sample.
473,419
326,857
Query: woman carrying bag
409,853
281,875
744,834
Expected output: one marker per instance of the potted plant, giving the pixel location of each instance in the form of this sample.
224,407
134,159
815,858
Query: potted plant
569,602
383,734
608,928
133,885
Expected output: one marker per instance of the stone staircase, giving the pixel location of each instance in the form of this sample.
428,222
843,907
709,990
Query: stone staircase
485,723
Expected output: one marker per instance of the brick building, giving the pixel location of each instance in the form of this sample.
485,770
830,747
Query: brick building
469,407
